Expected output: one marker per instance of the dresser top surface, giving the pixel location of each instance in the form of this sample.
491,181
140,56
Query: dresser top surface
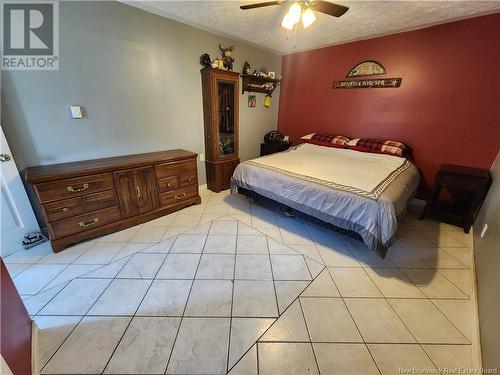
72,169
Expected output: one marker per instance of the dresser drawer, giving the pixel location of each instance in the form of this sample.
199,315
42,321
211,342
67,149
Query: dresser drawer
175,168
188,179
64,209
98,201
175,197
55,190
168,184
77,224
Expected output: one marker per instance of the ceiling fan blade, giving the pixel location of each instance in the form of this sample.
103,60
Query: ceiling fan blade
328,8
259,5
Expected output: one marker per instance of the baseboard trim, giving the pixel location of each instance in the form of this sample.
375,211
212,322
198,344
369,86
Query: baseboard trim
203,187
35,349
477,356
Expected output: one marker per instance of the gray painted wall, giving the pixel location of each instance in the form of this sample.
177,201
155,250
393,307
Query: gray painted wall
487,253
138,76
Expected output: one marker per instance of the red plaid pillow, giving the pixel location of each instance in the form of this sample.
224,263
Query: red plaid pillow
338,141
379,146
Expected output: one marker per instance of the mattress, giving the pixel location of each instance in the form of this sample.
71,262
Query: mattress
358,191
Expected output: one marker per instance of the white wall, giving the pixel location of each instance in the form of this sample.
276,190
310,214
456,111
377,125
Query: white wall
487,253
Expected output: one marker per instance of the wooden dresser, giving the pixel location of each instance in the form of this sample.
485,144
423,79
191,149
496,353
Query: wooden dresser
86,199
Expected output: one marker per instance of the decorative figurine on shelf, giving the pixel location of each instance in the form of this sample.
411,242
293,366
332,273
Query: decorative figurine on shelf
205,60
215,64
267,101
246,68
227,56
263,72
268,86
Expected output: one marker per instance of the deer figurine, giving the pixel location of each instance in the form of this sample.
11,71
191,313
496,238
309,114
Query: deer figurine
227,56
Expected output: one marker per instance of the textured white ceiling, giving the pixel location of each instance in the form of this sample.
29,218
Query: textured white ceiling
365,19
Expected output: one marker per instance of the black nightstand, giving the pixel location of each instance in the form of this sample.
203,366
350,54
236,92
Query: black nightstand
473,180
271,148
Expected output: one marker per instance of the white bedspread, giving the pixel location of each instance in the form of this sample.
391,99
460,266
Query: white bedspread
353,190
362,173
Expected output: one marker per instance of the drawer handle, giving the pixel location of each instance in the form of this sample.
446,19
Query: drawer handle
73,189
169,184
84,224
190,179
178,197
65,209
138,191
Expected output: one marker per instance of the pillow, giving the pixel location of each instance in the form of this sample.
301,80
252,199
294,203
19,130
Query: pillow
379,146
326,140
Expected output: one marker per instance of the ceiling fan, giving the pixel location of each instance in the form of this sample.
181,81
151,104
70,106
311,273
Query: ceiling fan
302,10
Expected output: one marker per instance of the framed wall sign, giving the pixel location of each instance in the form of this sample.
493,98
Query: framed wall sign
368,83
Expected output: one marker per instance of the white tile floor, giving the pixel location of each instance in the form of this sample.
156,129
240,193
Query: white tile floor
234,286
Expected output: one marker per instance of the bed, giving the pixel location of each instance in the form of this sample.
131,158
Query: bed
358,191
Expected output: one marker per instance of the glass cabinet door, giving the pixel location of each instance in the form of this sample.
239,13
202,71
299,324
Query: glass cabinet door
225,117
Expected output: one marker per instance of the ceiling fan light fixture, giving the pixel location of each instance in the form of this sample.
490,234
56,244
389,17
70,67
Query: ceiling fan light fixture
308,18
295,11
287,22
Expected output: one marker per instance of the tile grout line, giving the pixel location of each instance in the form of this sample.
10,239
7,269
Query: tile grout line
401,320
275,319
272,276
425,296
83,278
96,269
353,320
63,341
50,300
232,299
74,328
257,352
92,305
102,266
187,300
361,342
352,254
137,308
309,335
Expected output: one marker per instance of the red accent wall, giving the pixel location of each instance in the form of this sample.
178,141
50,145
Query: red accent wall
447,108
15,329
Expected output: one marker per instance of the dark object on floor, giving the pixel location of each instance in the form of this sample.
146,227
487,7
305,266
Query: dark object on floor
288,212
463,179
32,239
205,60
271,148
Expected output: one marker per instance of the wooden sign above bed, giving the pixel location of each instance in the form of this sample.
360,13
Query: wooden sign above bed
368,83
367,68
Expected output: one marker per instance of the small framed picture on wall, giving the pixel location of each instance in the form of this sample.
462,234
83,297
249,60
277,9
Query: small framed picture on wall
271,75
252,100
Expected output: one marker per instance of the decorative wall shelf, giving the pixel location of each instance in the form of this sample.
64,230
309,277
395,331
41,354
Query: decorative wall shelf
253,83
